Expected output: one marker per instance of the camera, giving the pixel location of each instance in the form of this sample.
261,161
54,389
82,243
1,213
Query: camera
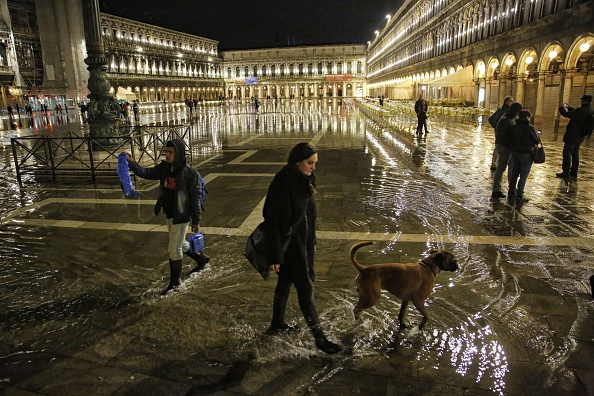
539,131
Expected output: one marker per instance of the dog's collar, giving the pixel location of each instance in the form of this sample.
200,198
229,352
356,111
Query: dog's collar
428,266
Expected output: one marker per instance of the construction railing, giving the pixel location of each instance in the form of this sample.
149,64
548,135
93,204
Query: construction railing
84,157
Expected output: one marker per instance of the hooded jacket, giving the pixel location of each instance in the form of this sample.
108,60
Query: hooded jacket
188,187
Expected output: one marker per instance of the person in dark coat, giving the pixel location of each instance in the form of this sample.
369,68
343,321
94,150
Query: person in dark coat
290,209
574,137
421,108
523,142
503,146
493,120
180,190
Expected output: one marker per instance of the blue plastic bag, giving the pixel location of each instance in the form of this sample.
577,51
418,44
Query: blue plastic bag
124,174
196,242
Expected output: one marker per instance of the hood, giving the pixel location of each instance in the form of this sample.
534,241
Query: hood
180,154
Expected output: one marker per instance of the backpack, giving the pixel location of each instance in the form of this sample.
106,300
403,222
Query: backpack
495,117
203,191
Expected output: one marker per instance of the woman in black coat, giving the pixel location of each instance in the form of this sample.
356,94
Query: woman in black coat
290,215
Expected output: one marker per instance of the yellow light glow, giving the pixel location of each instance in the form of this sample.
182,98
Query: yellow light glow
553,54
529,60
585,47
509,62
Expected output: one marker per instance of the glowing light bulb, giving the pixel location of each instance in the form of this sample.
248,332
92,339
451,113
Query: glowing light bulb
509,62
584,47
552,54
529,60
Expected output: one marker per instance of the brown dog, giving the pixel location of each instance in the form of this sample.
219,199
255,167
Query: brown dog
409,282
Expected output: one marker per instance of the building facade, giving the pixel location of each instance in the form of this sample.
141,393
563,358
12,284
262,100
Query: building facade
296,72
41,58
154,64
539,51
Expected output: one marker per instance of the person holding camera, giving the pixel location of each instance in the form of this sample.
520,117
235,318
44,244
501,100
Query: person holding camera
523,141
574,135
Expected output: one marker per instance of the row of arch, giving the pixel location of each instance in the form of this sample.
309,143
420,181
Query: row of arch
132,32
129,64
426,34
295,69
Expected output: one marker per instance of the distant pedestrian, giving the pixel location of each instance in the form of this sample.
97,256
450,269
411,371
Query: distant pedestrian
10,113
290,209
421,107
523,142
256,104
493,120
503,146
179,198
577,129
18,109
136,110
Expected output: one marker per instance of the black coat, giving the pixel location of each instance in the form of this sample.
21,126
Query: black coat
290,201
573,131
502,132
524,137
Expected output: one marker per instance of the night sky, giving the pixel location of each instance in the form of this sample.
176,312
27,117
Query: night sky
262,23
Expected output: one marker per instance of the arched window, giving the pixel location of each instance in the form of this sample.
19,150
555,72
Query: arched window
273,70
282,69
291,69
228,72
310,69
329,68
263,70
237,72
359,67
349,67
339,68
320,68
301,69
246,72
255,71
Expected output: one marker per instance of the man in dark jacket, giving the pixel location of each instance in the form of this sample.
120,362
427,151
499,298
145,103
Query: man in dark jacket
180,190
574,136
493,120
503,144
421,108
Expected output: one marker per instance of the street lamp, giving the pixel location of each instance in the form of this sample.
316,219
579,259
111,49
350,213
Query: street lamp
553,54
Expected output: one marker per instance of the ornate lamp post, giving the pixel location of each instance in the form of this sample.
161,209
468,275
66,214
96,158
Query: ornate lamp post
102,115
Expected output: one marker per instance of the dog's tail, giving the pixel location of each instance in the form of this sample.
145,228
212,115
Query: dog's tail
354,249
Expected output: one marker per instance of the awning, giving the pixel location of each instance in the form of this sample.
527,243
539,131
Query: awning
402,84
461,78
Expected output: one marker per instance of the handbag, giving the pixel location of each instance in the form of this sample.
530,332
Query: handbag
539,154
256,249
196,242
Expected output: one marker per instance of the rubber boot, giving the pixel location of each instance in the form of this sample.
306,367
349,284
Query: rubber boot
311,317
278,324
201,260
175,266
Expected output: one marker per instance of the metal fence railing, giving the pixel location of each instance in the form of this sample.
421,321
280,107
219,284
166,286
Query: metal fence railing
78,156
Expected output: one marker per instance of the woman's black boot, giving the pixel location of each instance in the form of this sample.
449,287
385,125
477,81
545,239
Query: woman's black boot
311,317
175,267
201,260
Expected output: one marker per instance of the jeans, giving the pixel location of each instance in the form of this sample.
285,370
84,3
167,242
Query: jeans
177,240
504,152
519,169
571,158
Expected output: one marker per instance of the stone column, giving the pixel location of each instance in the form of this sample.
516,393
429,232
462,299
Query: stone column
102,113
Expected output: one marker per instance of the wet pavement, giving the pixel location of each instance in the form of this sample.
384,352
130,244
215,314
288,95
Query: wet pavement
81,268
